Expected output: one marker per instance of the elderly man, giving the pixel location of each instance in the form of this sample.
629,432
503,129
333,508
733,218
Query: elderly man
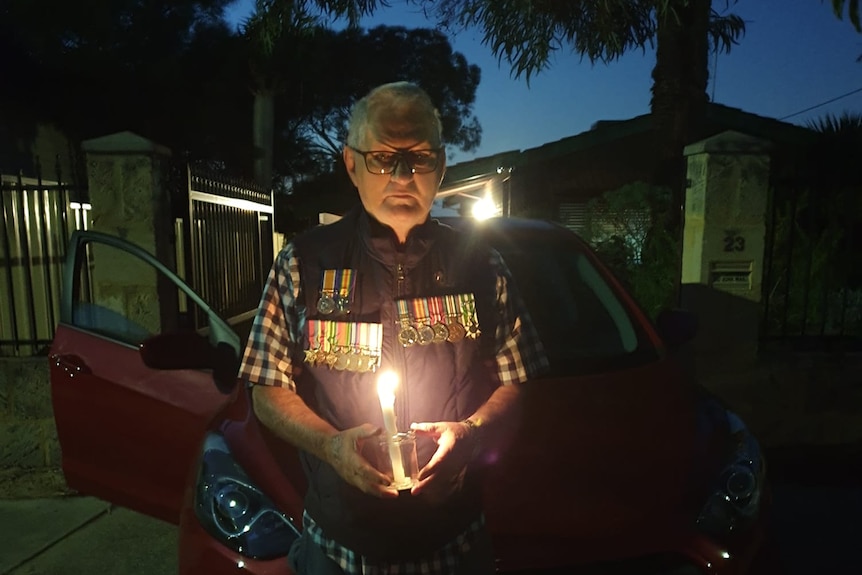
388,288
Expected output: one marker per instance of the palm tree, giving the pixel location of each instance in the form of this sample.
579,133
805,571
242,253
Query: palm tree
852,11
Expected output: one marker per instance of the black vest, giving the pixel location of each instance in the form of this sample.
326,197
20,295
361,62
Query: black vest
438,382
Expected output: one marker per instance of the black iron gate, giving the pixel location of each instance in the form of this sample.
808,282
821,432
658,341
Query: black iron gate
225,244
812,288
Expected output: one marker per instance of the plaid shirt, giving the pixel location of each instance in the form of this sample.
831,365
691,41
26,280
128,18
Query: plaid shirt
277,336
442,562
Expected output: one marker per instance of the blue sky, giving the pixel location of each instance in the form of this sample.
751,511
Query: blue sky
795,55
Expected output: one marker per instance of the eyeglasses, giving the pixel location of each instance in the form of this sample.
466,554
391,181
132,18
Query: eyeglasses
417,161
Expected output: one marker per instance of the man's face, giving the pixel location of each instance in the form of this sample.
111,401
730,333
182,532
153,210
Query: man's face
402,199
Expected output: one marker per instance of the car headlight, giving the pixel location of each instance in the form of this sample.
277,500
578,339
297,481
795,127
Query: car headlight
234,511
734,503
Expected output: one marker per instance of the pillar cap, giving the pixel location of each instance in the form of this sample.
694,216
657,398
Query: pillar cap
729,142
124,143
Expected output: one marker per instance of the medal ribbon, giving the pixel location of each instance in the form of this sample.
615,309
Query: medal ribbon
341,332
313,330
436,310
376,342
468,311
331,336
403,313
327,282
420,310
346,280
352,332
451,307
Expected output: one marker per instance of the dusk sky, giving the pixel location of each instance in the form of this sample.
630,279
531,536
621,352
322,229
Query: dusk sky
796,54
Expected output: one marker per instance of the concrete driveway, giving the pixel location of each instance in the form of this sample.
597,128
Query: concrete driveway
82,536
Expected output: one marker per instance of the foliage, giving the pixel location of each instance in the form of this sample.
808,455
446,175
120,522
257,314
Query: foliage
814,283
161,70
814,270
853,11
526,33
846,123
176,74
624,227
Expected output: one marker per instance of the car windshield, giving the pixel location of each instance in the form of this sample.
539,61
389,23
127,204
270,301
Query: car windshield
582,322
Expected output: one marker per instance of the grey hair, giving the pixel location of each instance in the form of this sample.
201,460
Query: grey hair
397,97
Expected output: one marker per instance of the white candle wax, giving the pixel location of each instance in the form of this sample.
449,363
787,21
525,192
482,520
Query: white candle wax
398,478
386,384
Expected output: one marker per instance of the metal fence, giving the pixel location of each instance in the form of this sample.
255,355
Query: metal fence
812,282
38,217
225,244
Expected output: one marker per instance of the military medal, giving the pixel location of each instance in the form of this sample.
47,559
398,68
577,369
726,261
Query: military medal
344,346
468,314
407,334
372,344
342,360
313,342
346,284
336,291
421,315
456,330
438,319
332,341
326,303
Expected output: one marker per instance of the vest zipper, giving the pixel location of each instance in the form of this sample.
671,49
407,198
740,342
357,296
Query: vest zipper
399,278
404,407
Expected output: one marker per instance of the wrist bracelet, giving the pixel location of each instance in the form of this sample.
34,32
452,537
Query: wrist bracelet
474,436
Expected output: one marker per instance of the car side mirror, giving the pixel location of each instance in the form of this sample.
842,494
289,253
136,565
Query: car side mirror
676,326
190,350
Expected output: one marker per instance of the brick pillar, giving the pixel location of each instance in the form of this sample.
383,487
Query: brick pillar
127,177
724,245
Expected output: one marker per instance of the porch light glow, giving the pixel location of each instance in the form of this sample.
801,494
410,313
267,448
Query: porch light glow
484,209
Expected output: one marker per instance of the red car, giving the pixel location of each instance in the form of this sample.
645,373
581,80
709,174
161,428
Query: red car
621,465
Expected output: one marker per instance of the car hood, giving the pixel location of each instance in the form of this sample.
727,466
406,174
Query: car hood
596,458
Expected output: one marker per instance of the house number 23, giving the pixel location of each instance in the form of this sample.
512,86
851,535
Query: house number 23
734,243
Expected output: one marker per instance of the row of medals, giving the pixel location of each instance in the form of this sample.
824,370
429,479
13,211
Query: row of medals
426,333
343,358
363,361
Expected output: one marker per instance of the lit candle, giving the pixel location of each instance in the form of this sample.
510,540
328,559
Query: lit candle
386,384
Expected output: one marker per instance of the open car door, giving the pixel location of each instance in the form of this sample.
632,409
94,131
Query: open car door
130,423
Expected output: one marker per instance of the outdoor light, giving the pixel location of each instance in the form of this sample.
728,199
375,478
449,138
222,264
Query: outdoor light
75,205
484,209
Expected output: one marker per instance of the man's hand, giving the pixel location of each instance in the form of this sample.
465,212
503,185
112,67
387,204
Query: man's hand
284,412
344,453
444,474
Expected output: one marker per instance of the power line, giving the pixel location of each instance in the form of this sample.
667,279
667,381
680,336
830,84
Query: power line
857,90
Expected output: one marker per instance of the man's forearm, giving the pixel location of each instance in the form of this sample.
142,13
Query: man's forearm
286,415
497,418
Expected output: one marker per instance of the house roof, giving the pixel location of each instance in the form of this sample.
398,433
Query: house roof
484,166
595,154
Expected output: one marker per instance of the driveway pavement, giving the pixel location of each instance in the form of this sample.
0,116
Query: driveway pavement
82,536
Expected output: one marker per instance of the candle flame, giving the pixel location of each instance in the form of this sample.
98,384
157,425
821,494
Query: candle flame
386,384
